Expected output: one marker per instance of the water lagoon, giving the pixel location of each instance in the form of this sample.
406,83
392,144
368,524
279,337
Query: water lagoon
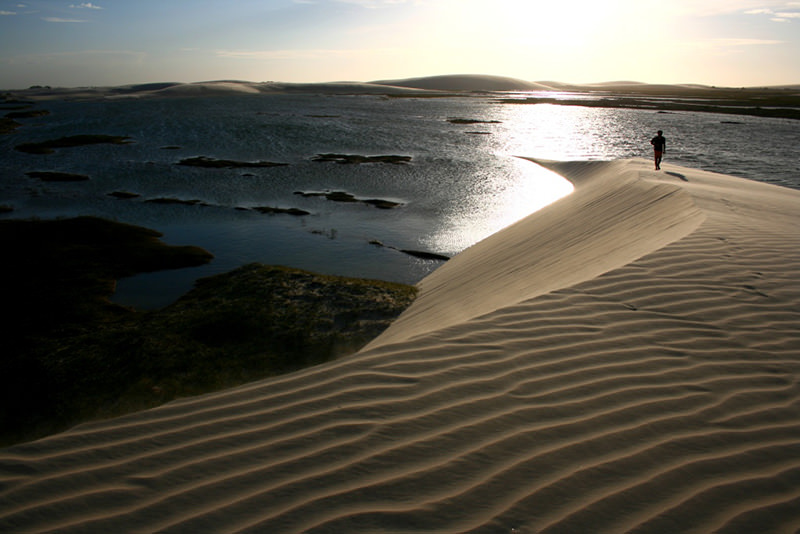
464,180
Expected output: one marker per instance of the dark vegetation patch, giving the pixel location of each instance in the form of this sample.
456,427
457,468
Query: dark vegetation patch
416,253
212,163
169,200
124,194
47,147
425,255
70,355
28,114
6,209
381,203
7,126
351,159
53,176
288,211
471,121
343,196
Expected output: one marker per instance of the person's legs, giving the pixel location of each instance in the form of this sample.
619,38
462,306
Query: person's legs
658,160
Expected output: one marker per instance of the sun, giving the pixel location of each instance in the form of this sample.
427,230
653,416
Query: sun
546,25
564,24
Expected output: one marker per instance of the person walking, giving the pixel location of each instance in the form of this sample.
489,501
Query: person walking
659,147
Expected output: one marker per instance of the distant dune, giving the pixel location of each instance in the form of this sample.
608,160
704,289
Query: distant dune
460,83
466,82
208,88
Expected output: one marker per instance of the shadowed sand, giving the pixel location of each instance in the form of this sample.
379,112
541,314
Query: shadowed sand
624,360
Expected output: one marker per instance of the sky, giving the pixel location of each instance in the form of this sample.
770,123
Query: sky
70,43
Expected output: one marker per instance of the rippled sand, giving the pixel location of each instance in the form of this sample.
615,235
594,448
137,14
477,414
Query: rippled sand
624,360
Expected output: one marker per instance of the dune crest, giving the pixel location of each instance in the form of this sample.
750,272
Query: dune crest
613,217
645,379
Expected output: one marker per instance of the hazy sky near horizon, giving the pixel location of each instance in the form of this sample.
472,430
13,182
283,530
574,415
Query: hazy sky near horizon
71,43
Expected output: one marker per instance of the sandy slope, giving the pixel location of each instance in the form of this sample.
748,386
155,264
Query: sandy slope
626,360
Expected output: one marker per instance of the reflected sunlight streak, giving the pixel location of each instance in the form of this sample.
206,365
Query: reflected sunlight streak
504,201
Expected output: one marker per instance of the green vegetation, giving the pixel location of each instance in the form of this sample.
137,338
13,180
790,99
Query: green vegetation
8,125
28,114
269,210
70,355
167,200
51,176
211,163
7,122
471,121
47,147
356,159
124,195
344,196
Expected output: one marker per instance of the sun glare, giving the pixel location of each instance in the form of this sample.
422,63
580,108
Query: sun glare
555,23
506,199
569,40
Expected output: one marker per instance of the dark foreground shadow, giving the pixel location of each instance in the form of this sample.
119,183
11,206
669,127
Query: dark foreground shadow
69,355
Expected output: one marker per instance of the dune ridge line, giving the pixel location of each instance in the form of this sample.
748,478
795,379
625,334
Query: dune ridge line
613,217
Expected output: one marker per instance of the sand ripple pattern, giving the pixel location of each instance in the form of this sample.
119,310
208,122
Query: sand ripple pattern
661,396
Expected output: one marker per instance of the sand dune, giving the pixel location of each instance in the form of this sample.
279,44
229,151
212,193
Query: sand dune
768,97
466,82
217,88
626,360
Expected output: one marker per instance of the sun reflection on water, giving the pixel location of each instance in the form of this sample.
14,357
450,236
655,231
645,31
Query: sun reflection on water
504,199
571,132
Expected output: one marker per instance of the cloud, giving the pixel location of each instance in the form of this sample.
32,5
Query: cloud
746,42
85,5
60,20
711,8
7,13
778,15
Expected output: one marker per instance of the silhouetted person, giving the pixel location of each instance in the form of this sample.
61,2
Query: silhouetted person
659,147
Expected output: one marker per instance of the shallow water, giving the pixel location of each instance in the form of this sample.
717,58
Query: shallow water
462,184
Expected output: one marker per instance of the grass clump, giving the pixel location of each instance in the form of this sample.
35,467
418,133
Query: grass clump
8,126
212,163
47,147
71,355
